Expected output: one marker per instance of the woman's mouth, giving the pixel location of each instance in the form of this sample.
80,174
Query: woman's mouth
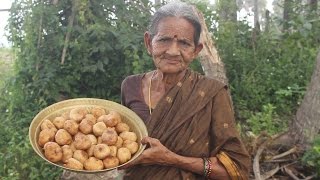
172,61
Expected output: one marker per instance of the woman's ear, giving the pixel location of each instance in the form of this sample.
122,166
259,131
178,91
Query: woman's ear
198,49
148,42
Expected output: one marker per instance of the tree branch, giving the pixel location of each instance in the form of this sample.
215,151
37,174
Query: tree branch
290,151
69,29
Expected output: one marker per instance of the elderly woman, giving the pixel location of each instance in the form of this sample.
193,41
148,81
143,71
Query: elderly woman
189,117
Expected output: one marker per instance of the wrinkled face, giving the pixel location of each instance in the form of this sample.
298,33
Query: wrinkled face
172,48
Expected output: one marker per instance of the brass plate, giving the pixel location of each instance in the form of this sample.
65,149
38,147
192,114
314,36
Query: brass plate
128,116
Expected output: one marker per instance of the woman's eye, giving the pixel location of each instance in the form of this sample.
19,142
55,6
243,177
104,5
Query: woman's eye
163,40
184,43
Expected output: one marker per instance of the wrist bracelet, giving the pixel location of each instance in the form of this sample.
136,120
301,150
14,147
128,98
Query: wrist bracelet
207,167
204,166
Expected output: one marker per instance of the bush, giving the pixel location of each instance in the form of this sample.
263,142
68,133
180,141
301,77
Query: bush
267,121
312,156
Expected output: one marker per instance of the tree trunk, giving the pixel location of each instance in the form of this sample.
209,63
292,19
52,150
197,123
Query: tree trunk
69,29
55,2
267,27
287,11
256,29
210,61
228,11
157,3
306,124
256,15
313,5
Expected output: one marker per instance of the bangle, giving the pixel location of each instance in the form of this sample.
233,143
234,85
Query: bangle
204,166
207,167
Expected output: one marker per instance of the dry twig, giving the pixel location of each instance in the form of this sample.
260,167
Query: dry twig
290,151
290,173
256,165
310,177
270,173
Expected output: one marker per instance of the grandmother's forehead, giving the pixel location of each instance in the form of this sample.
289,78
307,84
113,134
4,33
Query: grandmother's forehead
175,23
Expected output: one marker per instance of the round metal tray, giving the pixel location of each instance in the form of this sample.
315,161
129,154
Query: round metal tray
128,116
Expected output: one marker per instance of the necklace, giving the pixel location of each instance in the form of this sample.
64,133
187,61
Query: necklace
149,91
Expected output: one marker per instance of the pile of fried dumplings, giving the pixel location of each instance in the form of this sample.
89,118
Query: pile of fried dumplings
87,139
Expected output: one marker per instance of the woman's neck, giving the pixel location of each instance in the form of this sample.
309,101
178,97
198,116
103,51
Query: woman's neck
164,81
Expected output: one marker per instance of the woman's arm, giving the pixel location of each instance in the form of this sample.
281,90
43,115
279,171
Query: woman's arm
159,154
226,143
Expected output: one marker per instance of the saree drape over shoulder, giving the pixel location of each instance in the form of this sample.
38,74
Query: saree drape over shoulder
195,119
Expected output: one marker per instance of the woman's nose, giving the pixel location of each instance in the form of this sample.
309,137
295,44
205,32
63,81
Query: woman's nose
173,49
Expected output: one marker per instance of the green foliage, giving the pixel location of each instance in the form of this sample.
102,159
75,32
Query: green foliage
270,67
6,65
259,73
312,156
267,121
105,45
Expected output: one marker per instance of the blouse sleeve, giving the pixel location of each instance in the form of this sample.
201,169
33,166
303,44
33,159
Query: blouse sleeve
225,139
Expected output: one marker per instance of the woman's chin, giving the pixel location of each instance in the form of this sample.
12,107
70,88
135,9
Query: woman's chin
171,70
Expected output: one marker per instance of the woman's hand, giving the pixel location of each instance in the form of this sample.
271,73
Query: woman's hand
159,154
155,154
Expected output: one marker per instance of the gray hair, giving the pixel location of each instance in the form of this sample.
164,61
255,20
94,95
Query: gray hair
176,9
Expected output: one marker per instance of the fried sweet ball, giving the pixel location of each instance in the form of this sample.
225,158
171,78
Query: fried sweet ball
80,155
97,111
131,145
78,114
59,122
47,124
86,126
82,142
113,151
62,137
73,147
53,152
119,142
128,136
109,136
124,155
101,151
90,150
71,126
111,119
93,164
121,127
102,118
73,164
91,118
93,139
46,135
67,153
99,128
110,162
